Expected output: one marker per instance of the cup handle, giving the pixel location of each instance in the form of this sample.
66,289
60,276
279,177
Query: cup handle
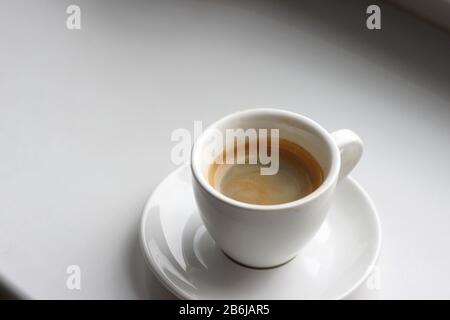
351,148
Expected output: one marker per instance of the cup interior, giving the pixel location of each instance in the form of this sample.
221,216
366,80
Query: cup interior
291,126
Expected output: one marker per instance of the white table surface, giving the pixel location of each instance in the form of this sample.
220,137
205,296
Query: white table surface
86,118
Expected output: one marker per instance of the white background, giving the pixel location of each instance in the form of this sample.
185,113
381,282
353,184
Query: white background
86,118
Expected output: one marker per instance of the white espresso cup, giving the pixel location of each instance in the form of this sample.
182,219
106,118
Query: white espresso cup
263,236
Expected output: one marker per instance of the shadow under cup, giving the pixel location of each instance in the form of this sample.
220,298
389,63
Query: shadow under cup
263,235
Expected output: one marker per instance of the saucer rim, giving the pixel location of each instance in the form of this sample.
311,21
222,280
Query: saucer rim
183,296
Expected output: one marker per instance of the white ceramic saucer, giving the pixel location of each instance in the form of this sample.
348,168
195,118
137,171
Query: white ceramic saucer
186,260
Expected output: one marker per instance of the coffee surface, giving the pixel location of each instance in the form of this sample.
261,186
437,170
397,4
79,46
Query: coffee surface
299,174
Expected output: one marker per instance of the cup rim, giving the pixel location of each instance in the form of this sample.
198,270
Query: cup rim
330,179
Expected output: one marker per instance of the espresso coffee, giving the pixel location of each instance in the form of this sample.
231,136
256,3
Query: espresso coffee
299,174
